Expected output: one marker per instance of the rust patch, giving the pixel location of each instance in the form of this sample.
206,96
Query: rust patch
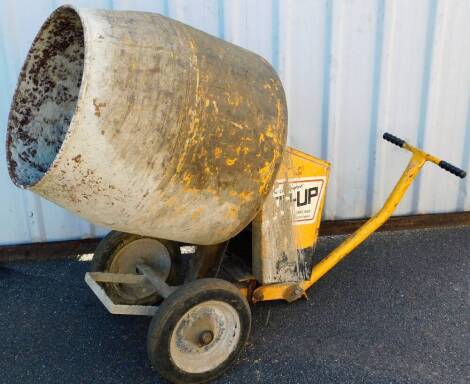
98,107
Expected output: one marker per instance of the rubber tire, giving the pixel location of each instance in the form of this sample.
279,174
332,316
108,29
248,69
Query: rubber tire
111,244
170,312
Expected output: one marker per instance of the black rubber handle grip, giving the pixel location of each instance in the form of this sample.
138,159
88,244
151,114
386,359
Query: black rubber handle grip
452,169
393,139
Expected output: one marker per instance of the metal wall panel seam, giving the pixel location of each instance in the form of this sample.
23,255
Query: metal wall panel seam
334,108
383,115
407,64
376,87
221,18
275,35
423,109
29,202
463,193
42,235
5,102
166,8
284,46
327,54
433,132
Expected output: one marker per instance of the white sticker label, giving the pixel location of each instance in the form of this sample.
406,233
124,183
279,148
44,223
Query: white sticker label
304,195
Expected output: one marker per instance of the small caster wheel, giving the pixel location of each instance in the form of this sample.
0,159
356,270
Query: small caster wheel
120,252
198,331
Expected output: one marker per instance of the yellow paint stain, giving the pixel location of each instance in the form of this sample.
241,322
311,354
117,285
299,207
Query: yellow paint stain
208,170
236,125
265,174
261,137
172,201
197,213
194,63
215,106
212,191
217,153
230,161
269,131
266,170
207,103
202,156
191,190
187,178
280,113
233,99
197,83
232,213
192,138
246,196
194,124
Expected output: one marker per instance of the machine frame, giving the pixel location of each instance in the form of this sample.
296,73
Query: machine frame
288,291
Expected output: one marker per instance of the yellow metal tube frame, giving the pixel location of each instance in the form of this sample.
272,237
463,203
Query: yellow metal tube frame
292,291
417,161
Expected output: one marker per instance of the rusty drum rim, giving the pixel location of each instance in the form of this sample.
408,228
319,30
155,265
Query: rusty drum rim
205,337
85,70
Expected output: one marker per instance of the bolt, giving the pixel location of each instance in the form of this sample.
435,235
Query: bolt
206,337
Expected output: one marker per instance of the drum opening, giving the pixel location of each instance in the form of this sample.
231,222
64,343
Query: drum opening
45,98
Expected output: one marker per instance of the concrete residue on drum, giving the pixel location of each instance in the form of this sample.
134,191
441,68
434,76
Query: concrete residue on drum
45,99
175,134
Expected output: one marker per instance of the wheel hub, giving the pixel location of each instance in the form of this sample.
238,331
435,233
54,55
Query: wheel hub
205,336
146,251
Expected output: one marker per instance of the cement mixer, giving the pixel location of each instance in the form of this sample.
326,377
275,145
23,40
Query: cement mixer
176,140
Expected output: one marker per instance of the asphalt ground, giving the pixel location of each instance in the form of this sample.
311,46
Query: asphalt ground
397,310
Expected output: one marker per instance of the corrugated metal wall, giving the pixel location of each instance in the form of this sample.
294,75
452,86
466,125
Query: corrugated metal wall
351,69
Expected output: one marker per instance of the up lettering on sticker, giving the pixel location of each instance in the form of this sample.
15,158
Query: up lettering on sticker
304,196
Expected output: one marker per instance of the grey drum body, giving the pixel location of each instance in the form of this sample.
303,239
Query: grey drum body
144,125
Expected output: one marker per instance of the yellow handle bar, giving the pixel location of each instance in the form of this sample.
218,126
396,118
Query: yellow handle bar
417,161
441,163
